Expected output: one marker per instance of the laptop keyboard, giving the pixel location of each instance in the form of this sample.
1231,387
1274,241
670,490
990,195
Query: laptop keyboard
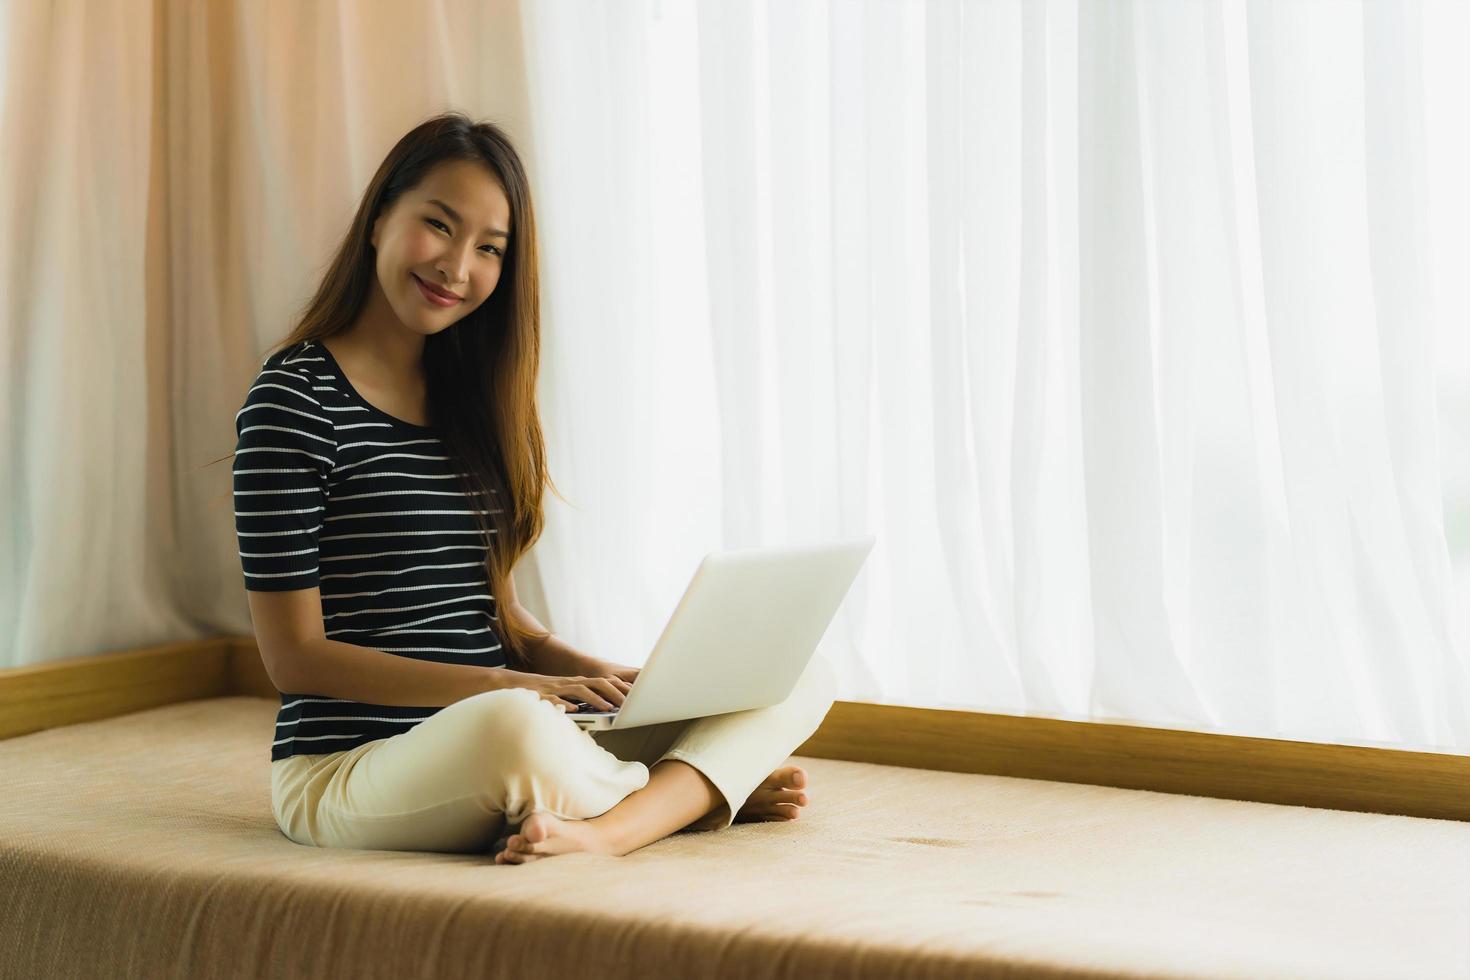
583,708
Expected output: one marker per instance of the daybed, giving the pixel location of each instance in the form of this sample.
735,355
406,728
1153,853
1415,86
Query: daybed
142,844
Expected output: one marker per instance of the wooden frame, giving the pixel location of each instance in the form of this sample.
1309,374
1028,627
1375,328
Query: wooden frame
1340,777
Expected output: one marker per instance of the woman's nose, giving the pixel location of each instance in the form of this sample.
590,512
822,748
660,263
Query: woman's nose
454,265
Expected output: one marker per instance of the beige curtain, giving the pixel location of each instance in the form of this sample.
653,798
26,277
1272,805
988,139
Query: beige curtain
175,175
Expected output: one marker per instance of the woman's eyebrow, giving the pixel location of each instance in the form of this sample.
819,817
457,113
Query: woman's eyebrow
489,232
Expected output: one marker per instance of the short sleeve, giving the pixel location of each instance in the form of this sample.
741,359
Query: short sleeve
284,454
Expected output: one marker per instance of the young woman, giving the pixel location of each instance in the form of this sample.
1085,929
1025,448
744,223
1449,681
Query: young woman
389,472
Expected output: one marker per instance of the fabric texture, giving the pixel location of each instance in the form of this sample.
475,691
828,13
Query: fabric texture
144,846
333,493
454,782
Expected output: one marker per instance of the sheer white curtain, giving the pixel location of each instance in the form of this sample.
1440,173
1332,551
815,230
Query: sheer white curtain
1136,332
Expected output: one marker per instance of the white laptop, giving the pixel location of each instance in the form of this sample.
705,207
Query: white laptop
746,628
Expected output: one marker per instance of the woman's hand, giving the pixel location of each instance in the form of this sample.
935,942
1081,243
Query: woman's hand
600,684
606,668
555,657
620,677
600,693
563,675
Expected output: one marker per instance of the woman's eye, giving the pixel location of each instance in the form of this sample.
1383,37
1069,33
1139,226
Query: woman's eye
440,224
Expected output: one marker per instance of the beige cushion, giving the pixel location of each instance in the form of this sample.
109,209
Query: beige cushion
144,846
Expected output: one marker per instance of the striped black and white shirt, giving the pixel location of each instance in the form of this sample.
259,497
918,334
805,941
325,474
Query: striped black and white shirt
332,492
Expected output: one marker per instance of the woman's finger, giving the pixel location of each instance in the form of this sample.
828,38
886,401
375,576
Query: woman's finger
595,697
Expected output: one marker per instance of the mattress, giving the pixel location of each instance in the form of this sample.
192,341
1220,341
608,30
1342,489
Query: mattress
144,846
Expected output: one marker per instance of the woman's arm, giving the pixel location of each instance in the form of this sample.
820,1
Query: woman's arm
553,655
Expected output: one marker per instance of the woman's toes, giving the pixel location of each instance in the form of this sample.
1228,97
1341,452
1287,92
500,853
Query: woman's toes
516,855
536,829
778,797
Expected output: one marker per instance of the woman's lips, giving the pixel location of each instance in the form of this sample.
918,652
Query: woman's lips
438,299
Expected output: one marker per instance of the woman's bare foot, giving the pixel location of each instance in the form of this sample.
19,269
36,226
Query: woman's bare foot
543,834
780,797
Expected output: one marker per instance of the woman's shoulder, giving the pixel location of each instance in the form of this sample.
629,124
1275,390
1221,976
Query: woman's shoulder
291,374
303,357
297,365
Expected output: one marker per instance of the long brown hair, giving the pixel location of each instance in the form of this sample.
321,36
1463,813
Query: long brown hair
481,371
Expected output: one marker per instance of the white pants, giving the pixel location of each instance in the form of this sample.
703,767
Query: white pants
454,781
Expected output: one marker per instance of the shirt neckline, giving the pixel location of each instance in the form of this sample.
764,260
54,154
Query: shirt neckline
347,383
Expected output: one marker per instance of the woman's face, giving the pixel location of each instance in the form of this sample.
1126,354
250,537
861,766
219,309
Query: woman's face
457,244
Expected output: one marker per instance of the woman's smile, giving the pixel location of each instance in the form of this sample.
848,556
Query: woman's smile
433,295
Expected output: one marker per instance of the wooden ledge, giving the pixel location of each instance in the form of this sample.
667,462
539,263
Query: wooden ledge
1232,767
1339,777
104,685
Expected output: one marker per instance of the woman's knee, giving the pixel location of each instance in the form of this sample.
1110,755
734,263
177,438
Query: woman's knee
532,754
518,722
